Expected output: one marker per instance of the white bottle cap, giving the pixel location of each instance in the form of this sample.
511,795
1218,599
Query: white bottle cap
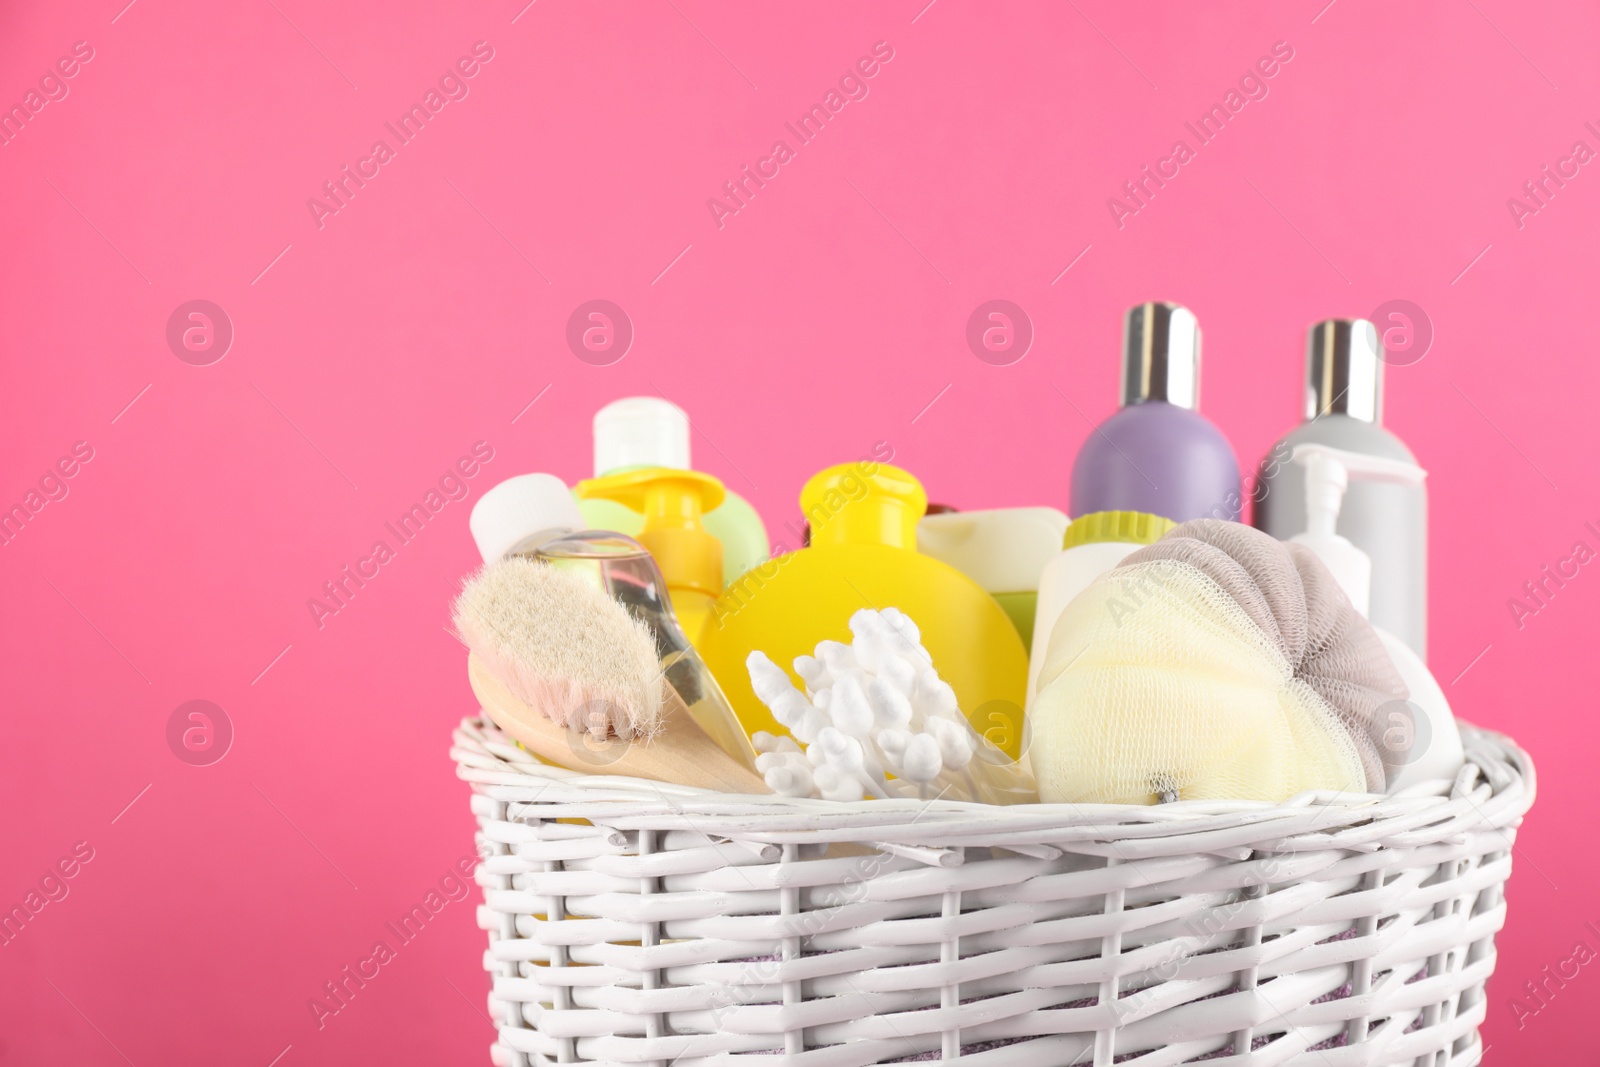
519,508
640,431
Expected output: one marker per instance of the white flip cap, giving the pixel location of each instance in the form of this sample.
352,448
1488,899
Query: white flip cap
520,507
640,431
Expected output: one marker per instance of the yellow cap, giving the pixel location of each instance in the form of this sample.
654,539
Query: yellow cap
672,503
863,503
1126,527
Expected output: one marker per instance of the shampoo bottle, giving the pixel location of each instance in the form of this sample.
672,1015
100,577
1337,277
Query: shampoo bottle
863,554
1419,739
1387,521
1004,550
1158,454
647,431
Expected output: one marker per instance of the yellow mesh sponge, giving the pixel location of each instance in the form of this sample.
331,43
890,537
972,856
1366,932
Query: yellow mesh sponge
1214,664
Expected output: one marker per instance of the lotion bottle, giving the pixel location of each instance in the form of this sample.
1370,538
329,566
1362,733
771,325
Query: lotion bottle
673,504
1005,550
863,554
647,431
1388,521
1158,454
1092,545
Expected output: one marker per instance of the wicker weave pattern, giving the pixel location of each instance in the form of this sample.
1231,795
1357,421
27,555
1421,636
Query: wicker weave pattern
661,925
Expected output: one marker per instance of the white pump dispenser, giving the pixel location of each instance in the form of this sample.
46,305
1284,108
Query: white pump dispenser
1328,474
1421,739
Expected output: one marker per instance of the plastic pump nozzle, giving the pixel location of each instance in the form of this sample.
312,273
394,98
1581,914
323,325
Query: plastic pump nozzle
673,503
1328,474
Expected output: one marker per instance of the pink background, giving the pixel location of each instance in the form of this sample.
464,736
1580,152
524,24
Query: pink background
371,353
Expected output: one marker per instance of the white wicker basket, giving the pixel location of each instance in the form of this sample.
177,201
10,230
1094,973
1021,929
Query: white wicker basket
637,923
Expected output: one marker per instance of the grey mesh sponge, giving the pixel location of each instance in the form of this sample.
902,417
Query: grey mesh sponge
1294,599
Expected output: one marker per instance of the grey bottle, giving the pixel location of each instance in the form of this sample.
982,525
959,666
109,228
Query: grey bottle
1344,409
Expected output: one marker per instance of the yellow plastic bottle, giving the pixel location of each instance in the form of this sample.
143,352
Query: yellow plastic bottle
863,554
673,503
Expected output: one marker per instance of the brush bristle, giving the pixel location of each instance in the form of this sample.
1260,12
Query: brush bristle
562,646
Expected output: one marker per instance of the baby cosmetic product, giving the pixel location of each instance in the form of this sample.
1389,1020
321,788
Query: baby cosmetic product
1158,454
1386,520
1092,545
863,554
520,513
673,503
1420,740
1004,550
647,431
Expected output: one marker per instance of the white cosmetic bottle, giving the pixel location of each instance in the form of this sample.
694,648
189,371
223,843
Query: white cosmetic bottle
1420,735
1093,544
1005,550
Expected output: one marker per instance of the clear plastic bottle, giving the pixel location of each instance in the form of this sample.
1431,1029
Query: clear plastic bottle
626,570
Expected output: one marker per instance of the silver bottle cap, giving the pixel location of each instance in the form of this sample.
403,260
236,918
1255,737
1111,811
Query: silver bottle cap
1161,355
1344,370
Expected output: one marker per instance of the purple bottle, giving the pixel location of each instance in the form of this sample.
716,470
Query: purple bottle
1158,454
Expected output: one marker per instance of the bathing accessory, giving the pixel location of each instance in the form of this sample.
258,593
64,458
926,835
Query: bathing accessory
648,431
679,752
1217,663
626,572
520,513
562,646
863,520
1344,409
1092,545
562,668
1419,737
1158,454
1004,550
877,720
1350,931
673,503
1292,597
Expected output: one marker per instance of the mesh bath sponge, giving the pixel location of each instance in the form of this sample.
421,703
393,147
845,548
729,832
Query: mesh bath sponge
1217,663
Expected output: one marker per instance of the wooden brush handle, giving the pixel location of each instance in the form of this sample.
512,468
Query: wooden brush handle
680,753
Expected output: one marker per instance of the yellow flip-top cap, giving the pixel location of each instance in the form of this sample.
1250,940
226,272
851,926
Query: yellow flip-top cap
672,503
863,503
1125,527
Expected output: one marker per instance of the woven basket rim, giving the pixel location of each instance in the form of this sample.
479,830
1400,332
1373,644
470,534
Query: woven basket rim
1493,791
